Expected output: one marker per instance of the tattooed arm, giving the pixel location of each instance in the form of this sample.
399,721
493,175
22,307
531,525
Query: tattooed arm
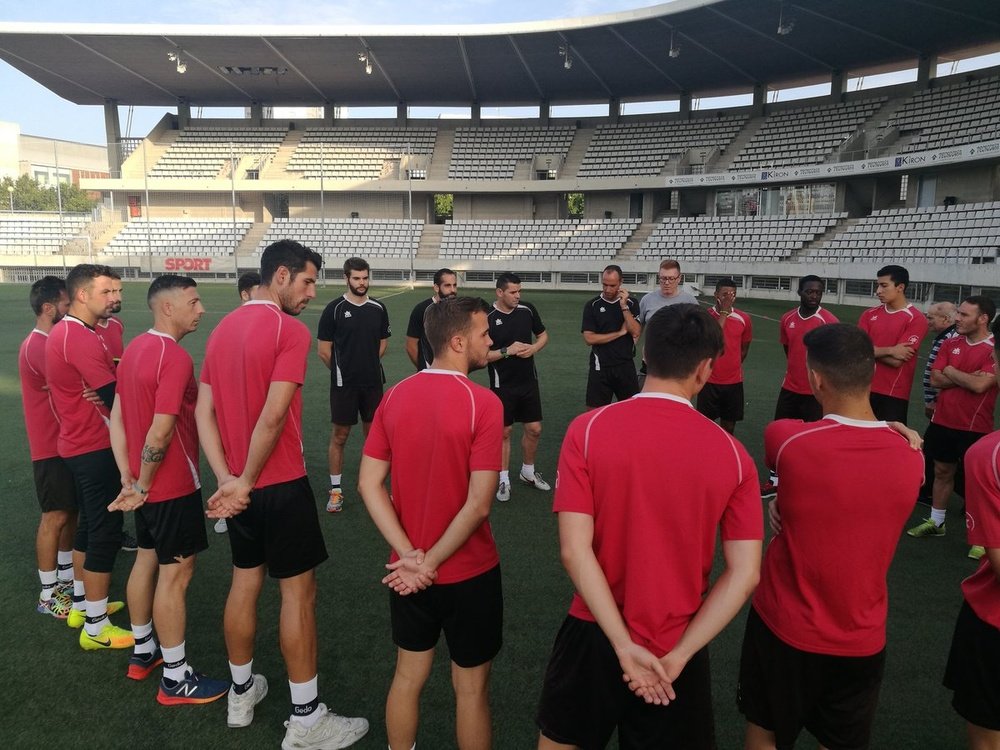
154,448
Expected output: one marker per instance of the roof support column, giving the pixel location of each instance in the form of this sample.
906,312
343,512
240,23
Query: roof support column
544,112
838,86
329,112
113,132
685,104
476,113
926,70
759,100
183,113
614,108
401,115
256,114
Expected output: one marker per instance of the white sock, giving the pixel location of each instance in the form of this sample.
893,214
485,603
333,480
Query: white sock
774,478
144,641
64,559
505,476
175,666
528,471
937,516
97,616
241,673
305,694
335,480
79,596
48,579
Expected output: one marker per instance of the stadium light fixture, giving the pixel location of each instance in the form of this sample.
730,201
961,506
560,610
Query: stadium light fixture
175,57
363,57
564,53
675,51
785,23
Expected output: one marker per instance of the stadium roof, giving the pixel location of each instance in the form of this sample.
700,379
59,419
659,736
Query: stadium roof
723,46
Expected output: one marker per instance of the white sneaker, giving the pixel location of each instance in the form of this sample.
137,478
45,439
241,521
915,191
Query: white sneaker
330,732
240,710
221,527
537,482
503,492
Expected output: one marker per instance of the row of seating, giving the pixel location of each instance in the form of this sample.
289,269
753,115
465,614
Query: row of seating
169,237
376,238
203,152
20,235
356,153
950,115
553,238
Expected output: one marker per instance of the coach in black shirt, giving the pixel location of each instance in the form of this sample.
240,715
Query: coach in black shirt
611,327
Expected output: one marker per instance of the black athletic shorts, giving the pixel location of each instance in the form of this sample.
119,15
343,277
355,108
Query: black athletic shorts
521,403
889,408
618,382
785,690
584,698
946,445
347,402
793,405
174,528
54,485
469,612
279,529
972,670
724,402
99,530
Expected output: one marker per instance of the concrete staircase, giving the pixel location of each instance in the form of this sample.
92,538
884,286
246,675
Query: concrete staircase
821,241
276,170
248,246
633,243
430,241
736,145
443,145
133,166
577,150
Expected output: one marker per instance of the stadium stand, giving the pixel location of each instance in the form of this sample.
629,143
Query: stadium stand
33,235
357,153
161,237
368,238
644,148
950,115
733,238
968,233
492,153
557,239
205,152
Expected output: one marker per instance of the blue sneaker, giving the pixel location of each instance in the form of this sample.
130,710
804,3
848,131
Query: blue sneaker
195,688
141,665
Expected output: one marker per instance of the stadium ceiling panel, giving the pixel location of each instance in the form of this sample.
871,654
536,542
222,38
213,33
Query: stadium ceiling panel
720,46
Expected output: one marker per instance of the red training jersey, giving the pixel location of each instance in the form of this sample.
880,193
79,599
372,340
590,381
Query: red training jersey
253,346
76,359
822,586
432,453
40,419
960,408
156,376
728,368
982,519
887,327
112,333
792,328
659,480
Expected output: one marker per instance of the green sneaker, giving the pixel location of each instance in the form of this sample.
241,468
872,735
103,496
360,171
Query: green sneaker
927,528
976,552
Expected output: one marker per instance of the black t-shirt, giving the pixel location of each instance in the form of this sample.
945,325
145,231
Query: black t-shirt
601,316
415,330
356,332
520,324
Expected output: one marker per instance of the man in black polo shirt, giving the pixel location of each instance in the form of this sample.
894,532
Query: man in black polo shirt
418,349
610,327
518,334
353,335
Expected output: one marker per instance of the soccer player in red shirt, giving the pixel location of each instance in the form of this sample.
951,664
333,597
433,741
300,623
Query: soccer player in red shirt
972,671
76,359
439,532
155,441
639,551
110,328
896,329
53,481
249,416
814,647
965,374
796,399
722,397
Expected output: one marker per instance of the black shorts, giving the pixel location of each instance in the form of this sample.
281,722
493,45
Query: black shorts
174,528
347,402
972,670
785,690
584,698
793,405
279,529
889,408
723,402
469,612
617,382
948,446
521,403
99,530
54,485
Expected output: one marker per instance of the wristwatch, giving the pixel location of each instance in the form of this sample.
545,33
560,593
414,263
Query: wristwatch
503,353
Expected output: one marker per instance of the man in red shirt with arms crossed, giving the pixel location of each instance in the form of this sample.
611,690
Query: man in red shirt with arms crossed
459,446
813,651
249,416
722,397
639,551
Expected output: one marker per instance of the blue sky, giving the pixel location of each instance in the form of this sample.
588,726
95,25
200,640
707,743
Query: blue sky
39,112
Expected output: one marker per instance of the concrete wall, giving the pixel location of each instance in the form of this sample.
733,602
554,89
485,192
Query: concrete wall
595,204
972,184
493,207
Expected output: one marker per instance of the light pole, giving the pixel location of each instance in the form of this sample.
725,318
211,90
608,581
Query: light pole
10,193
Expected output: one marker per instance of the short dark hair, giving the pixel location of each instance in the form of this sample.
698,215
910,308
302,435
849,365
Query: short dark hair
355,264
726,283
995,330
809,278
843,354
451,317
47,290
986,306
288,253
506,279
613,268
678,337
441,273
168,282
247,281
897,274
83,275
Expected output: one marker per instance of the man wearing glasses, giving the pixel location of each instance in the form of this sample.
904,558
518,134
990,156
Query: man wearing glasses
669,292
